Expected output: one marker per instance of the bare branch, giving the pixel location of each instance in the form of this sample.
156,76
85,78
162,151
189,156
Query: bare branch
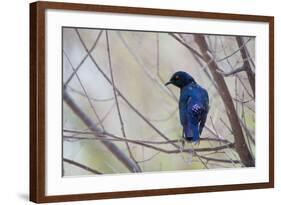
237,76
150,158
143,141
219,160
230,55
82,166
145,144
245,87
213,125
125,99
116,101
227,74
200,62
106,114
246,64
187,46
111,147
200,159
240,144
83,60
208,59
250,58
91,98
248,132
243,101
147,71
85,92
244,125
226,125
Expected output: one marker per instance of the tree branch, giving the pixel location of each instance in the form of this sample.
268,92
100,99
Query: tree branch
82,166
125,99
111,147
219,160
147,71
85,92
143,141
91,98
187,46
240,144
241,46
246,64
235,71
117,103
105,138
83,60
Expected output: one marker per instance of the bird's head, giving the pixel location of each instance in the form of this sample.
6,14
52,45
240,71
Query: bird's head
180,79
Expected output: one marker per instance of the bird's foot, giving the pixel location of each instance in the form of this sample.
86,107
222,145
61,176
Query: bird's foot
188,160
197,142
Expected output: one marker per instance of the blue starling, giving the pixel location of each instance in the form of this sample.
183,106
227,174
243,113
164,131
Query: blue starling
193,105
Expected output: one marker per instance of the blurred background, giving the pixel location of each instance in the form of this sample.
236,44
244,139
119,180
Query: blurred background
118,117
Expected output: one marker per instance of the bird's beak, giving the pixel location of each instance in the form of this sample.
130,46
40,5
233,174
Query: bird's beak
168,83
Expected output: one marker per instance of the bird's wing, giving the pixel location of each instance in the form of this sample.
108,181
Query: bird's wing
204,114
199,107
194,104
202,122
193,116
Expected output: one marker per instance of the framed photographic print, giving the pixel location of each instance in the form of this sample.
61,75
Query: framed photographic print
128,102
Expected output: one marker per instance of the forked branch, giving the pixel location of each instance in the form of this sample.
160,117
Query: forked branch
111,146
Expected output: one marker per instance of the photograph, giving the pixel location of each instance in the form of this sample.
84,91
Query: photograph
136,101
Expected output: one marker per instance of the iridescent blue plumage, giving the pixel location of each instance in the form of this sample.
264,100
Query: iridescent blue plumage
193,105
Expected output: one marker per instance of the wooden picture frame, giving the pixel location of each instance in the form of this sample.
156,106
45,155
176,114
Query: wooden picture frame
38,103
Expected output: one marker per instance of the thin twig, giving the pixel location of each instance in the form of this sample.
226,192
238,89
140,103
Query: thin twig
219,160
200,159
82,166
147,71
250,58
89,123
107,114
220,137
244,125
246,64
124,98
91,98
116,100
85,92
138,142
199,61
235,71
243,101
149,158
245,87
187,46
83,60
248,132
74,137
82,132
232,68
226,125
236,51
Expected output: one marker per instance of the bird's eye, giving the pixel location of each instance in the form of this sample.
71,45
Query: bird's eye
177,77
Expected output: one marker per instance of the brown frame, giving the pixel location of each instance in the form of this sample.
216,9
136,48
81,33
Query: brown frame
37,100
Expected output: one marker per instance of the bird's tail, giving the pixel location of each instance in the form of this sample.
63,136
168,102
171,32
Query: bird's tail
191,132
